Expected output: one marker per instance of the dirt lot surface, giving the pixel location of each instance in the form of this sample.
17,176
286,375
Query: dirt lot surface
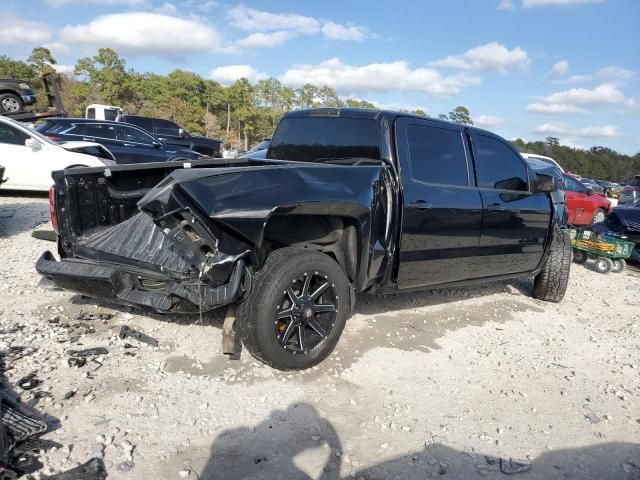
460,383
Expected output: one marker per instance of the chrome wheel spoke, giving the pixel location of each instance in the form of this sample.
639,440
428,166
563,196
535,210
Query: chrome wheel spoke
314,296
287,333
301,337
317,328
284,314
324,308
292,295
307,284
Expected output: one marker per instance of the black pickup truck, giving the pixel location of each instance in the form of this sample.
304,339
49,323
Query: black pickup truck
15,95
346,201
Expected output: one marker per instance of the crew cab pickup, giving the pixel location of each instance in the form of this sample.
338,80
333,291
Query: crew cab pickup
15,95
346,201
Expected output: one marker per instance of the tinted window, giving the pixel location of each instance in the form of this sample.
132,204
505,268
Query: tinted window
165,127
99,130
311,138
129,134
437,155
91,113
497,166
110,114
572,185
11,135
142,122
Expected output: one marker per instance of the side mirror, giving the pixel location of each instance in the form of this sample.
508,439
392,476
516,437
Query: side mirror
181,133
546,183
32,144
157,145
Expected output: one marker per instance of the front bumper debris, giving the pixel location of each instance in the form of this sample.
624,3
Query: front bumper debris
126,285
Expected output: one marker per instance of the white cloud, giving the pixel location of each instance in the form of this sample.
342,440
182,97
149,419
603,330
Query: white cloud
336,31
229,74
559,70
64,69
610,73
605,131
377,77
167,8
17,31
489,57
143,33
252,20
264,40
127,3
488,121
505,5
574,99
555,3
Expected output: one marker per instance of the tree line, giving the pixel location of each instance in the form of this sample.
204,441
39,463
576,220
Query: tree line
244,113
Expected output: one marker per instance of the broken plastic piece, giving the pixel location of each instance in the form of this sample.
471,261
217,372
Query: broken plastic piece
88,352
509,466
76,361
126,332
29,382
94,316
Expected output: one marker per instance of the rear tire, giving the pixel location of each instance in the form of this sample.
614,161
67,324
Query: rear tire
273,336
550,284
604,265
10,103
580,256
619,265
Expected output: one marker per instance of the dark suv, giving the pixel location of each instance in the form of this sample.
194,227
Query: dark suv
173,134
128,143
14,95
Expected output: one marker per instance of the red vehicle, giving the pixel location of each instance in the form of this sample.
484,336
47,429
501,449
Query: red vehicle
584,206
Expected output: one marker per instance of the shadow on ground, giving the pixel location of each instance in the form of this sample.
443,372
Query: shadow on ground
26,212
297,443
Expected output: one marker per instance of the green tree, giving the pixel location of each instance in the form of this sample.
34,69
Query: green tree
461,115
552,141
106,72
351,103
40,58
329,97
307,95
419,111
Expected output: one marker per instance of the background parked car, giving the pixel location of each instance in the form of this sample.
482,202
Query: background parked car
593,185
15,95
128,143
611,189
584,207
173,134
29,157
630,192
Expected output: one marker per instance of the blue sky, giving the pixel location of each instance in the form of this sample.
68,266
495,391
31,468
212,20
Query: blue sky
525,68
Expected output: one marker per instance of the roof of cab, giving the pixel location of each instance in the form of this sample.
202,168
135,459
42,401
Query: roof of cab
372,114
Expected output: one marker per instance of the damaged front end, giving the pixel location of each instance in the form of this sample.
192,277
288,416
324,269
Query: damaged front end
165,258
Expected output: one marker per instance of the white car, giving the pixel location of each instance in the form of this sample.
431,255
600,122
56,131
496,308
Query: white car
29,157
542,158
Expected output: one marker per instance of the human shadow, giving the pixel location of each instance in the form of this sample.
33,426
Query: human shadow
269,450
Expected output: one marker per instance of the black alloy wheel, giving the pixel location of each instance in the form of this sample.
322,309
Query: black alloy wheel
307,312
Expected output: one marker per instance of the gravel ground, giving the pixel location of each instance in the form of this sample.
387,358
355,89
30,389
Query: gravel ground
456,383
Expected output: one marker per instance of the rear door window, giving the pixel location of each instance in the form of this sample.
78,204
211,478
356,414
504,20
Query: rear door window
573,185
498,166
98,130
166,127
142,122
437,155
310,139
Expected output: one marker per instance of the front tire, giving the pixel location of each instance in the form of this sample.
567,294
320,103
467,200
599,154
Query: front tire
598,216
550,284
619,265
10,103
580,256
296,310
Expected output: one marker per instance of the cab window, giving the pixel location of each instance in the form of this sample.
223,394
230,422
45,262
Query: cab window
498,166
11,135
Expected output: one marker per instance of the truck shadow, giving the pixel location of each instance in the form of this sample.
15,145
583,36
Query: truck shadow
298,443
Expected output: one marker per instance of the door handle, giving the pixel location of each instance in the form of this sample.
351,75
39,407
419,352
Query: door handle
420,205
496,207
128,145
87,139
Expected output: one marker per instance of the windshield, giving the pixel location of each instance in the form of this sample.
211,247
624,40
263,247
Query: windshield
313,139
